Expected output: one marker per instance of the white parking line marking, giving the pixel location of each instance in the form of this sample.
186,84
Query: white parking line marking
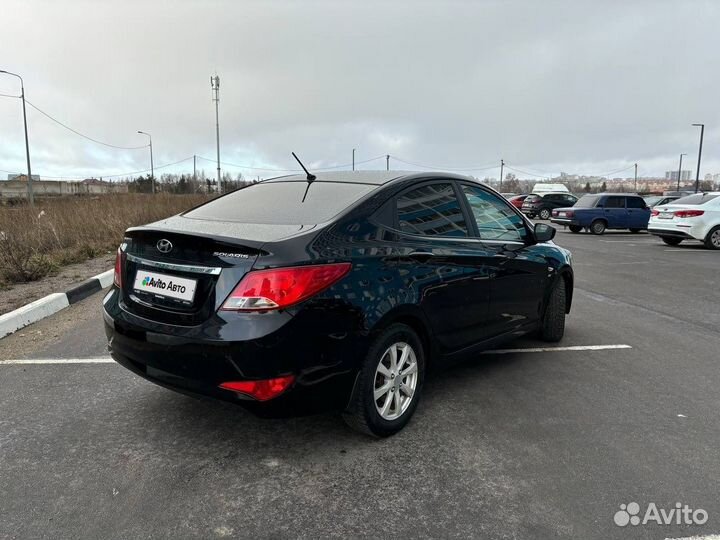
99,360
705,537
686,250
558,349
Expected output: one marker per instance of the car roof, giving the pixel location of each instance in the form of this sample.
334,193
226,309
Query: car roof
376,178
617,194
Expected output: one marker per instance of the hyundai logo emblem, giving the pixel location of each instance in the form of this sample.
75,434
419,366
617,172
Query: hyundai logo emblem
164,246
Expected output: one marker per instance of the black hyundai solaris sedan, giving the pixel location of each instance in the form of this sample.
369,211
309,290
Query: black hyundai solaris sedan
301,294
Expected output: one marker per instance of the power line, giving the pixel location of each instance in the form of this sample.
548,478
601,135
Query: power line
525,172
10,96
76,132
239,166
482,168
119,174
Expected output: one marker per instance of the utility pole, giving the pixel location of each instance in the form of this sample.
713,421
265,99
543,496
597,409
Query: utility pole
152,167
680,171
194,168
31,197
697,174
502,166
215,85
353,159
387,162
636,178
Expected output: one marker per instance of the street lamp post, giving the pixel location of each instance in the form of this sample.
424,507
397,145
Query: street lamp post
353,159
152,167
680,171
697,174
31,198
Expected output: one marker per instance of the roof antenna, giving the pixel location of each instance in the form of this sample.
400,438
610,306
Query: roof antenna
310,177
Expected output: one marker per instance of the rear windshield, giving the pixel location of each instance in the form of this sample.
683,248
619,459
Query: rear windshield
282,203
587,201
532,198
697,198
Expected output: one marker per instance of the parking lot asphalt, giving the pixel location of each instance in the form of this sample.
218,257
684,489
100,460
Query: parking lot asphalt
517,445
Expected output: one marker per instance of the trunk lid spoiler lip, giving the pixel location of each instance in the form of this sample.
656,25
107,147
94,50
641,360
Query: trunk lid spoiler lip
162,227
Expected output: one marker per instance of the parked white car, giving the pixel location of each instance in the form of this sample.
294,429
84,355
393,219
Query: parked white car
695,217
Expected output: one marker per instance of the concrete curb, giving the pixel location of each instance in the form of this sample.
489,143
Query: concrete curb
52,303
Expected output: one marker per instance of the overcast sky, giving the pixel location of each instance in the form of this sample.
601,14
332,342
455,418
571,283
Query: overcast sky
580,87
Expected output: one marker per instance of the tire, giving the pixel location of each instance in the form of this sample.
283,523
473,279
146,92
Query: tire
544,213
364,413
598,226
712,240
552,327
575,228
671,240
635,230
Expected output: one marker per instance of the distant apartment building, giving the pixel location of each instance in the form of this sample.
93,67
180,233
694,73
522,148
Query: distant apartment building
673,175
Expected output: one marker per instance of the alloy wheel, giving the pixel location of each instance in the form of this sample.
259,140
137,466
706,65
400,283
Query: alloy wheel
396,379
715,239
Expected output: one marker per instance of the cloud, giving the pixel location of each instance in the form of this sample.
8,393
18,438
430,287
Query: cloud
579,86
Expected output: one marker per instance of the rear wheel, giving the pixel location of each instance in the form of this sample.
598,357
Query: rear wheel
598,226
671,240
544,213
389,383
575,228
552,327
712,240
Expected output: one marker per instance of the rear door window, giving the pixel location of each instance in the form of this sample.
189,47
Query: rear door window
431,210
495,219
615,202
635,202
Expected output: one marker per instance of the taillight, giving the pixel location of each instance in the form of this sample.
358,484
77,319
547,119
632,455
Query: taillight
688,213
555,213
569,213
117,276
279,288
655,212
261,390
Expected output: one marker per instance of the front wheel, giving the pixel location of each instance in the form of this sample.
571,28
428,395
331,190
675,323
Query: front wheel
575,228
388,387
712,240
552,327
545,213
671,240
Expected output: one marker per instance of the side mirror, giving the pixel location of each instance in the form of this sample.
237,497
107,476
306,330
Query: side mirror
543,232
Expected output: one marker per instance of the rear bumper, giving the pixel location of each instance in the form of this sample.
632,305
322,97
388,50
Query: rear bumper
673,233
191,361
564,221
689,229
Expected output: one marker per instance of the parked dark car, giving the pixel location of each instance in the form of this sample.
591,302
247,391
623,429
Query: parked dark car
542,205
659,200
517,200
597,213
290,296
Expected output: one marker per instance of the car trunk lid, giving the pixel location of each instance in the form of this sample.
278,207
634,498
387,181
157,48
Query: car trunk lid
179,270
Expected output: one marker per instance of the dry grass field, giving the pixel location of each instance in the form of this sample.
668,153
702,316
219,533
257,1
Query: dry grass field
37,242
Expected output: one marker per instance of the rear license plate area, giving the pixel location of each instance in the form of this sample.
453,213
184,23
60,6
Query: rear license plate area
165,287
